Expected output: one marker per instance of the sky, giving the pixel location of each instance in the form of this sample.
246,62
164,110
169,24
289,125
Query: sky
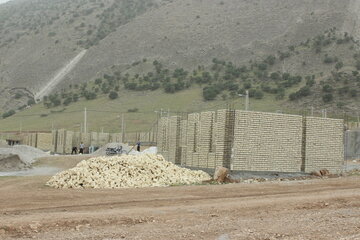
3,1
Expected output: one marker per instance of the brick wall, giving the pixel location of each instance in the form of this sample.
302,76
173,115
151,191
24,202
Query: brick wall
44,141
192,140
174,140
267,142
352,145
252,141
324,145
206,144
183,141
224,137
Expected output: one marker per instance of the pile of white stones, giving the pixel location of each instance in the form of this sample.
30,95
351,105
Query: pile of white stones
126,171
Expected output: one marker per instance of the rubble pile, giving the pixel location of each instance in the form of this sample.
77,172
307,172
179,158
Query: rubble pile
126,171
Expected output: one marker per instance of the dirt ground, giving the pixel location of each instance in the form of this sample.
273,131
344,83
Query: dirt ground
311,209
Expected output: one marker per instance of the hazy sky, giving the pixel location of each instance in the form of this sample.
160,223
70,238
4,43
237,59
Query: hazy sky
4,1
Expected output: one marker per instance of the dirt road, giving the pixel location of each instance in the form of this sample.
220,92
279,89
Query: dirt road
313,209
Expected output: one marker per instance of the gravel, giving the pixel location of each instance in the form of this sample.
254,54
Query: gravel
126,171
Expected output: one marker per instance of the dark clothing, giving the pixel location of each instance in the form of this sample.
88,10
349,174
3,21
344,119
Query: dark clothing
74,150
138,147
81,151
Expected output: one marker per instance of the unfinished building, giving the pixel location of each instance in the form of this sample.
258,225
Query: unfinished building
253,141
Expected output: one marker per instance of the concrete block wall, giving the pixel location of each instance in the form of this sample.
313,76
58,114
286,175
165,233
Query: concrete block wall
267,142
163,137
94,138
68,142
252,141
206,144
192,140
116,137
61,140
352,144
324,145
174,140
224,137
103,139
183,141
31,140
44,141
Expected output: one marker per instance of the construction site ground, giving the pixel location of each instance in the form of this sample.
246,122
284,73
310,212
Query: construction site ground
310,209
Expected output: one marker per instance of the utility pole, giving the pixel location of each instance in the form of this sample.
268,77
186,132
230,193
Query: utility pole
283,66
247,101
122,128
85,121
312,111
324,113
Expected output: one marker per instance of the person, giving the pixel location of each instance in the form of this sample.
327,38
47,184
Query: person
81,151
74,150
138,146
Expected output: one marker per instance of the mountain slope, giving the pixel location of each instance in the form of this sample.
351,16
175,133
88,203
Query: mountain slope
38,37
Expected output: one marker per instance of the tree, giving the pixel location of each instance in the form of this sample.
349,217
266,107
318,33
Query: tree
67,101
353,93
113,95
328,98
247,85
327,88
275,76
310,82
90,95
304,91
270,60
98,81
30,102
8,113
18,95
339,65
210,93
293,96
258,94
262,66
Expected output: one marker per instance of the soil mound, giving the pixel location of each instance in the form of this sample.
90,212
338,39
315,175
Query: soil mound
11,162
27,154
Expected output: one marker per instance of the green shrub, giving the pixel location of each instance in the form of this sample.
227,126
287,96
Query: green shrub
30,102
98,81
327,88
132,110
8,113
67,101
328,98
113,95
247,85
270,60
51,34
339,65
18,95
210,93
353,93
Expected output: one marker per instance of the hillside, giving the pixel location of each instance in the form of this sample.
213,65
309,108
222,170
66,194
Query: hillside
140,111
314,40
